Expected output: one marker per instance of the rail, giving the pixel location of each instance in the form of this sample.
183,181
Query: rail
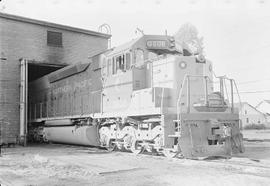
162,101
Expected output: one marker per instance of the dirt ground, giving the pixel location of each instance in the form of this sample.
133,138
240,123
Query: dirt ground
61,165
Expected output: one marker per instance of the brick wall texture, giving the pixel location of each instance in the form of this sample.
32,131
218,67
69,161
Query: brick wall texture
20,39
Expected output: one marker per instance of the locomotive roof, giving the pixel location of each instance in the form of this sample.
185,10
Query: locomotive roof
129,45
67,71
124,46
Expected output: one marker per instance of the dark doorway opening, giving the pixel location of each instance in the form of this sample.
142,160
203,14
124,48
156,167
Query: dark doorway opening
33,70
37,70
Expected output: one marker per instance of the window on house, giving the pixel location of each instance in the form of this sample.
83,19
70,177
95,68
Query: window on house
245,112
54,39
247,120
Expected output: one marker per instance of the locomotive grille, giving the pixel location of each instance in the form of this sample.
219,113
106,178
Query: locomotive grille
137,84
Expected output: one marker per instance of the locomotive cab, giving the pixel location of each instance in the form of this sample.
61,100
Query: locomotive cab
129,68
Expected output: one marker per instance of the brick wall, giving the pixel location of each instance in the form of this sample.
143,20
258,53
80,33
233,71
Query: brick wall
25,40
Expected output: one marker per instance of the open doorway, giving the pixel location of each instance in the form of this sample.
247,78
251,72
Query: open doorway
30,71
37,70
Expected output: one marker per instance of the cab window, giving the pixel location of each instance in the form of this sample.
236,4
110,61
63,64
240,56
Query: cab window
120,63
113,66
103,67
109,67
152,55
139,59
128,60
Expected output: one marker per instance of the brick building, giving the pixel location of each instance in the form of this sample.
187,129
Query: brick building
45,47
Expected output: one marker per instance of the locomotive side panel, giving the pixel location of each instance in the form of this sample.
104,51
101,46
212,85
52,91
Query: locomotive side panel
71,92
78,94
75,90
117,89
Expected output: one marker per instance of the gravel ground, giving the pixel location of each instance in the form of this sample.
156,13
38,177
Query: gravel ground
63,165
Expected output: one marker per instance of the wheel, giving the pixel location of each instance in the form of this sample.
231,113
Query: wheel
169,153
132,145
127,142
238,145
107,143
242,147
136,148
228,146
111,145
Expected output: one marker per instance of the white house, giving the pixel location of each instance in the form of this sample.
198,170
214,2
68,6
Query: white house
250,115
264,107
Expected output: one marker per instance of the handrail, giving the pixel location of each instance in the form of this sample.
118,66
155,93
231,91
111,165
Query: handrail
42,110
221,85
236,88
186,77
162,100
226,90
232,100
206,91
181,90
179,100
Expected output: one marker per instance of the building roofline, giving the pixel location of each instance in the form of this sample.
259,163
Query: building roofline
53,25
255,108
259,104
252,107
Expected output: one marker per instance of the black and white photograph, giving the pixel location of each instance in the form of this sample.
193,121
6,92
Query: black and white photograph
134,92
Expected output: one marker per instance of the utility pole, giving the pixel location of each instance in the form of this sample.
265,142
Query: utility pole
1,138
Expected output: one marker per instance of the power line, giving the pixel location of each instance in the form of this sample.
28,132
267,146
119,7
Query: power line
254,92
255,81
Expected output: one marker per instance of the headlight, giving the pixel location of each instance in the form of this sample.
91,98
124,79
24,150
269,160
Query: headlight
183,65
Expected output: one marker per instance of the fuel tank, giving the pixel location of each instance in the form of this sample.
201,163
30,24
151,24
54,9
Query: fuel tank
58,122
77,135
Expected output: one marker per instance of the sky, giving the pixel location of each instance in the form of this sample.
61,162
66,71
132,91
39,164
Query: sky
236,32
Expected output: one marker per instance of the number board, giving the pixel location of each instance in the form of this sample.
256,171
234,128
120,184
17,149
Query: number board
156,44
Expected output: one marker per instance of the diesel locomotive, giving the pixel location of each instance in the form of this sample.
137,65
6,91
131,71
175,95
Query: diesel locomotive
144,96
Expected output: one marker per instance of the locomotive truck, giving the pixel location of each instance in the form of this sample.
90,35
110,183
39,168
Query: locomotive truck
143,96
